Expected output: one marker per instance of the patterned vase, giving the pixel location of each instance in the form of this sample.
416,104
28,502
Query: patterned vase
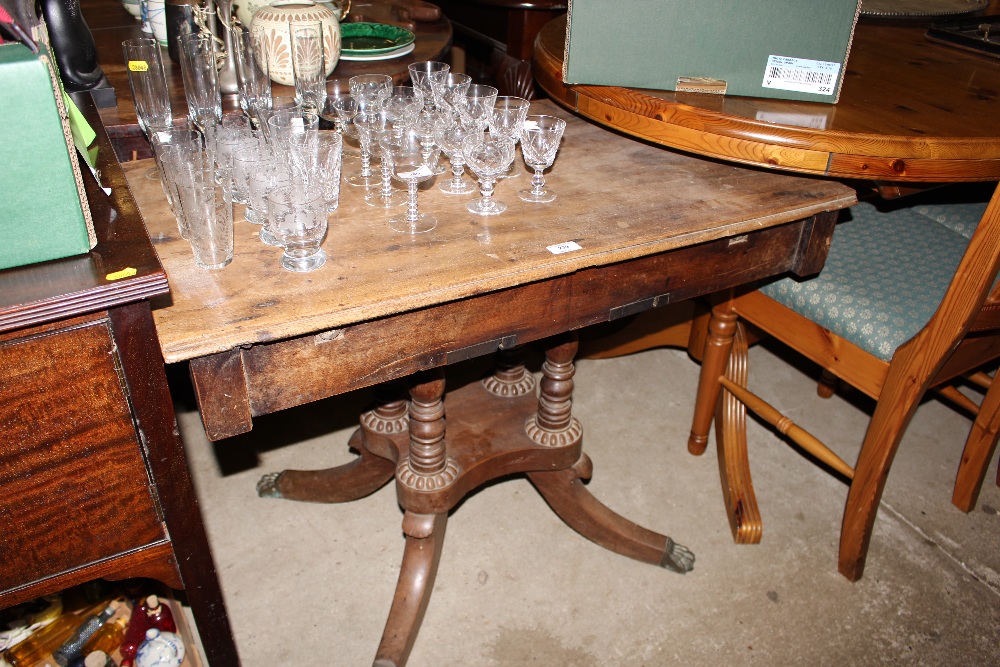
271,24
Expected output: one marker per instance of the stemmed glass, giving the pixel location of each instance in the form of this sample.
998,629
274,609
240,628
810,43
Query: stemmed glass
539,145
507,120
368,90
378,127
338,93
149,87
475,105
489,157
450,88
407,154
252,74
308,64
449,134
424,75
201,78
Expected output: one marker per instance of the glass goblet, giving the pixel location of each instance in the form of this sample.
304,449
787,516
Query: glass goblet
407,155
368,125
450,88
475,106
449,134
489,157
424,75
539,145
368,89
507,120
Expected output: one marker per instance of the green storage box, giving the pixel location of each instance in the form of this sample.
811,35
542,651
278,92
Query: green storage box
43,209
788,49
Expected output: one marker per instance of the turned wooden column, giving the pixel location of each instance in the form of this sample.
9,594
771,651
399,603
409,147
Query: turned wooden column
721,329
510,377
553,425
428,466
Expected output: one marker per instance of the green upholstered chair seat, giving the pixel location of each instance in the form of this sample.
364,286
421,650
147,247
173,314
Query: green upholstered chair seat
885,274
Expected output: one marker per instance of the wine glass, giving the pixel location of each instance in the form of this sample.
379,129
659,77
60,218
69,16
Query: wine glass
201,78
367,89
368,124
407,155
539,145
338,93
401,105
386,196
488,156
448,89
475,105
507,120
424,75
449,134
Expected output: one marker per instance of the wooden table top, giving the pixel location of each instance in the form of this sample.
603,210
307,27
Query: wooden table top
618,199
910,110
111,25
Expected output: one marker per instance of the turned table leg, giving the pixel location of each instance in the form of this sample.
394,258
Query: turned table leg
510,378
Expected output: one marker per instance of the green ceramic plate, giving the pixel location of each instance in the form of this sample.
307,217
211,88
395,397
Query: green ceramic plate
368,39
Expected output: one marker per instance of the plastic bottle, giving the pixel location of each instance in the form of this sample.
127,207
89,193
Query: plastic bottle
73,646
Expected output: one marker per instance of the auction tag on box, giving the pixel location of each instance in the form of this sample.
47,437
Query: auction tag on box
560,248
801,75
138,66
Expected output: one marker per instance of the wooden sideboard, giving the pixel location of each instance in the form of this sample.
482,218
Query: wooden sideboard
94,482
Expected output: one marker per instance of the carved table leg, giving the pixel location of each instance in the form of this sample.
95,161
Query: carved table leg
731,439
565,493
510,378
428,466
554,426
357,479
424,539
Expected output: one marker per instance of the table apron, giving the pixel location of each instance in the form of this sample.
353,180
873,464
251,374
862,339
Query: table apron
234,386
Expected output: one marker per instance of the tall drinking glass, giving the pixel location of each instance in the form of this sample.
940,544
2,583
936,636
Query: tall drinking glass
149,86
308,64
252,74
201,78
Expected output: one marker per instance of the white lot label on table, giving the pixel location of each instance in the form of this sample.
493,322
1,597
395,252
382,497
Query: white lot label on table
560,248
801,75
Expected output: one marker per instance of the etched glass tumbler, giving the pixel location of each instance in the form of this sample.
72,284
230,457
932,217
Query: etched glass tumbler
297,217
539,144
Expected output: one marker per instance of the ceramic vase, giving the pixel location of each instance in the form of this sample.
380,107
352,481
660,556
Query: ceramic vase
270,25
157,13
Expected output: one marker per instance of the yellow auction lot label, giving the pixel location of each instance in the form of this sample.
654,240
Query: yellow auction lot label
138,66
124,273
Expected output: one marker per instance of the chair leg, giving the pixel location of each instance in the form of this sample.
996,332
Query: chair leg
827,386
897,403
721,329
978,451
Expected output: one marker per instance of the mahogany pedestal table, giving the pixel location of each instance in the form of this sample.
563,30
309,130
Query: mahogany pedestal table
633,227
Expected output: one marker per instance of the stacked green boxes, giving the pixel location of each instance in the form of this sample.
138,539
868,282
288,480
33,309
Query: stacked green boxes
42,213
788,49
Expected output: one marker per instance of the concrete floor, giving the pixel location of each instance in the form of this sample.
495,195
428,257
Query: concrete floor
312,584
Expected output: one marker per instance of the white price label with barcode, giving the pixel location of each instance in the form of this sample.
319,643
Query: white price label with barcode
801,75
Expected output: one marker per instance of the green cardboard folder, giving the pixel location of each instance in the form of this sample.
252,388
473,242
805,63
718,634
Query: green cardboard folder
43,210
788,49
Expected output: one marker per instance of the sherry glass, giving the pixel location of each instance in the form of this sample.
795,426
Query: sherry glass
201,79
407,154
449,134
386,196
489,157
424,75
539,145
507,120
449,89
475,105
308,65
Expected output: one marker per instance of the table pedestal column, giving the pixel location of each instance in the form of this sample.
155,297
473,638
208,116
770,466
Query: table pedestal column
435,468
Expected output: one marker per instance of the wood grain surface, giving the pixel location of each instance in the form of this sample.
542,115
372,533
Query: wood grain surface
618,199
910,110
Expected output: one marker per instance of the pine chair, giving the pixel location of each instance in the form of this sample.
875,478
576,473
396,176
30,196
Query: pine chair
905,303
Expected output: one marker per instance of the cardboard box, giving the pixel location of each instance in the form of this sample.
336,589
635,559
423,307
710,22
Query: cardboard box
43,209
788,49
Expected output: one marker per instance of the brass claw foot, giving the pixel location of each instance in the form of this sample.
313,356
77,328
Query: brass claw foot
677,558
267,486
